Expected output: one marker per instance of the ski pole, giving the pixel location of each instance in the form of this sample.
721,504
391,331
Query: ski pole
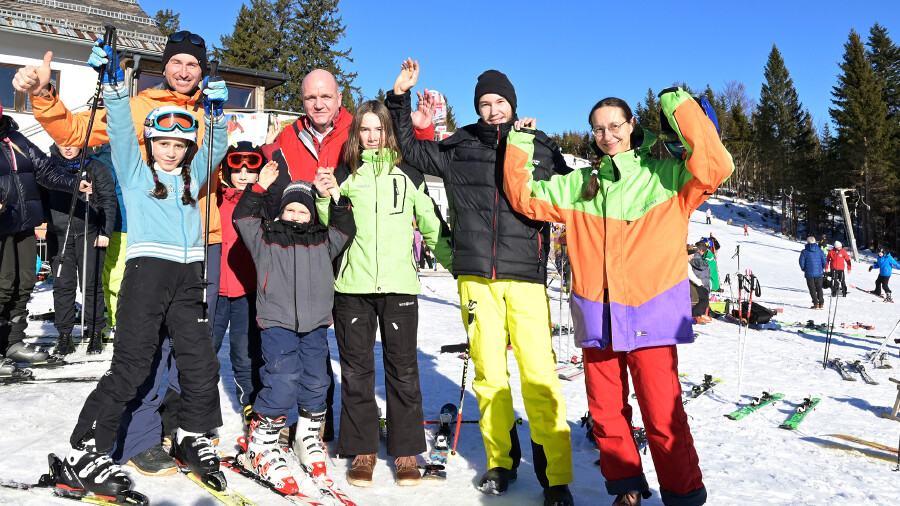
108,34
886,339
462,390
213,70
830,330
84,263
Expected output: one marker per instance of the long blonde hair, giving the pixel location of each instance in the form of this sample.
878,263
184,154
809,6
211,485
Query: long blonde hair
353,149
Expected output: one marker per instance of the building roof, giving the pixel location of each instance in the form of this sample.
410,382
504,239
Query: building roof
85,20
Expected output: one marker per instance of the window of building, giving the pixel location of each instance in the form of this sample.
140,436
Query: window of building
239,96
13,100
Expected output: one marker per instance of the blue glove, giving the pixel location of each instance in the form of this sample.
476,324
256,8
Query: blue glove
215,95
100,56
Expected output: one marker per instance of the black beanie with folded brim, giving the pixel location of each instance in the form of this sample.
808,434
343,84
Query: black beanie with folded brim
302,192
494,81
185,46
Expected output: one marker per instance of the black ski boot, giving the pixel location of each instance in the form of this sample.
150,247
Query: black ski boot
85,471
496,480
10,371
21,352
198,455
558,495
95,345
64,345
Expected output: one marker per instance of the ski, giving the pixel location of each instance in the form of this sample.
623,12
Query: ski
232,464
216,485
802,410
225,496
328,488
756,404
837,365
861,369
881,361
571,373
441,447
35,381
863,442
698,390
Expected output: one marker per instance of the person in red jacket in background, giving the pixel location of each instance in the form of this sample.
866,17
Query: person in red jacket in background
838,260
237,283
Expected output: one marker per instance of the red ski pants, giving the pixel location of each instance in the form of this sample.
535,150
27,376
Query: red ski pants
654,373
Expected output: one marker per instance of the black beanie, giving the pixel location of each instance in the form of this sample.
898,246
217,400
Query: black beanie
494,81
185,46
302,192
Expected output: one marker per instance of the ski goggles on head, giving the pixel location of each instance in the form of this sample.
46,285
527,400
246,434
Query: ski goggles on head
169,121
250,160
193,37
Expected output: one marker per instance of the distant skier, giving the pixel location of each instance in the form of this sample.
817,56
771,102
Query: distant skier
746,231
708,216
838,261
813,261
885,263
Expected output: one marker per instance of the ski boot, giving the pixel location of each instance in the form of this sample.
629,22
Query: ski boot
9,370
21,352
308,445
95,344
888,297
195,453
85,472
558,495
109,334
496,480
64,345
263,455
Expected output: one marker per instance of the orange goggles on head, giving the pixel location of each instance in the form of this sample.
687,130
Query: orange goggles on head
250,160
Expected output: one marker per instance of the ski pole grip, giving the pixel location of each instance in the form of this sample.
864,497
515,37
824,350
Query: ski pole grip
213,69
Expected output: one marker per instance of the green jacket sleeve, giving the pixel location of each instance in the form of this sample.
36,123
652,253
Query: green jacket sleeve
538,200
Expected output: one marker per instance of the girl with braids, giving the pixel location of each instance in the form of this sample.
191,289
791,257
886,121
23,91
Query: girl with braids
626,220
161,292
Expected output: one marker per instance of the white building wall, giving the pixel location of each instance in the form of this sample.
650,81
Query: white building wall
77,80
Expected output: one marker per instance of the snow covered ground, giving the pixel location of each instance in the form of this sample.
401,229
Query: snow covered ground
750,461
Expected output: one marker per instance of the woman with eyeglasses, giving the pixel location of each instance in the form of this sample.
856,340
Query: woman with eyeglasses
626,220
236,306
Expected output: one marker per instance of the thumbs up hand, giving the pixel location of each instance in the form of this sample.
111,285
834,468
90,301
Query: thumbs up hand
34,80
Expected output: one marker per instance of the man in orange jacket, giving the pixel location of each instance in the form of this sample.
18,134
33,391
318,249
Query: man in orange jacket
184,64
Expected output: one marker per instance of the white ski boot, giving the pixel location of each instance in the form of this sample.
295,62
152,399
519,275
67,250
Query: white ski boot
308,446
264,456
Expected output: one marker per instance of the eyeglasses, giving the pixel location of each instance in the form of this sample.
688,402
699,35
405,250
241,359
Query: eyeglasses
172,120
237,160
613,128
193,37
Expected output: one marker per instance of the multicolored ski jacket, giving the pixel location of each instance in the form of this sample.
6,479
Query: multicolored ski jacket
627,245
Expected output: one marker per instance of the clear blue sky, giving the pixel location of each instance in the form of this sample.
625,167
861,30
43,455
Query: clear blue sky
564,56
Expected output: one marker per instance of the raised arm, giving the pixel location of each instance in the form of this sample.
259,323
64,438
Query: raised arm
342,228
247,216
706,157
424,155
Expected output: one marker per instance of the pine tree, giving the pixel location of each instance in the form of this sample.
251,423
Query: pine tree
381,96
450,120
885,58
167,21
293,37
863,134
647,113
777,125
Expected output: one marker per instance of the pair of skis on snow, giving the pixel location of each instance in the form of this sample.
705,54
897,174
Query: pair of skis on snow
767,398
846,370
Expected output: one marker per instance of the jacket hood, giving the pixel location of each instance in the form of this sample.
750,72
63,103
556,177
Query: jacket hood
7,124
812,247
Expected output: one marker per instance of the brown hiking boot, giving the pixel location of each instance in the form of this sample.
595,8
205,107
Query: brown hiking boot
360,475
627,500
408,473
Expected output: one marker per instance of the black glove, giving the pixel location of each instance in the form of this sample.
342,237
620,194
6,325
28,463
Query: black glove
871,267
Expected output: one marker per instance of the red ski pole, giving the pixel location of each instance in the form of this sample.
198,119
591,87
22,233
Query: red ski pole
462,389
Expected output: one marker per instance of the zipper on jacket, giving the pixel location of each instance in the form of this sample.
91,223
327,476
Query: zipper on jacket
396,193
496,212
296,313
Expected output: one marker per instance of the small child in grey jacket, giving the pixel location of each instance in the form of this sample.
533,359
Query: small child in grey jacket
295,293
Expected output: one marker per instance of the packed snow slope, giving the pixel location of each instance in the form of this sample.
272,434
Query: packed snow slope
750,461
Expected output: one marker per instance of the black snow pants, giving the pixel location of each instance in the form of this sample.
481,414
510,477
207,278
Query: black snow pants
65,285
356,318
154,293
18,256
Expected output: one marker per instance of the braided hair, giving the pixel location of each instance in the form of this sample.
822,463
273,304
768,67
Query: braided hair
159,189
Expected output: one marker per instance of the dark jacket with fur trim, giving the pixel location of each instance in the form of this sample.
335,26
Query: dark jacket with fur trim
294,277
489,238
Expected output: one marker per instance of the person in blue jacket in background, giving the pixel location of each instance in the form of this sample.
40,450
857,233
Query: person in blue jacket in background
812,261
885,263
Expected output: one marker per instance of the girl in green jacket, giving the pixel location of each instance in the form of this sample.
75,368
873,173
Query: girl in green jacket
375,288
